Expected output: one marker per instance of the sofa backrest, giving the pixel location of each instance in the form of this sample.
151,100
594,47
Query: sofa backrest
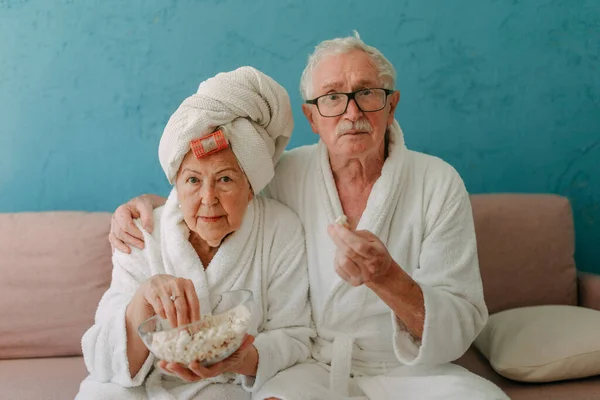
526,249
54,268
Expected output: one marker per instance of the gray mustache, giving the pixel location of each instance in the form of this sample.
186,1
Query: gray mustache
360,125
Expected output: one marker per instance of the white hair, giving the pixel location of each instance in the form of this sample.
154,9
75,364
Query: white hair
387,73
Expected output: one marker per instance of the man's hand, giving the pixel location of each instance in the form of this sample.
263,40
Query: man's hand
244,361
123,231
360,257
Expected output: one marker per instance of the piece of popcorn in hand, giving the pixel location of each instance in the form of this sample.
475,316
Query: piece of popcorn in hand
342,220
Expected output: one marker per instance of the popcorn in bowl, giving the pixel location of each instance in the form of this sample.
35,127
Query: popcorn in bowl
211,339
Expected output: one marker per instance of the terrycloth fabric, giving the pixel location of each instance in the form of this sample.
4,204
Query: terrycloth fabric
253,110
266,255
310,381
420,210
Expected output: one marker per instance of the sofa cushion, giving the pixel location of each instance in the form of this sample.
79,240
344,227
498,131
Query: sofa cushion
580,389
55,266
543,343
45,378
588,288
526,250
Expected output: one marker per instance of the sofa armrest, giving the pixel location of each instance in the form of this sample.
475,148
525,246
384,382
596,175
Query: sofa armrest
588,286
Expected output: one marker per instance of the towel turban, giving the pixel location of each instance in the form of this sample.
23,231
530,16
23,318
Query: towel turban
251,109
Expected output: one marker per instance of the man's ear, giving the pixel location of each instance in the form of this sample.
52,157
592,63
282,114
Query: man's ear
308,109
394,100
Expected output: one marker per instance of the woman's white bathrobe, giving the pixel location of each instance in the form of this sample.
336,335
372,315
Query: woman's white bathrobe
266,255
420,210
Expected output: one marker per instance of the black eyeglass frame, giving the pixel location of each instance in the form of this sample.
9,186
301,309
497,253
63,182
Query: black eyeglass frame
350,96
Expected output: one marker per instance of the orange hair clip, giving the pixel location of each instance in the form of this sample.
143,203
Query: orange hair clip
209,144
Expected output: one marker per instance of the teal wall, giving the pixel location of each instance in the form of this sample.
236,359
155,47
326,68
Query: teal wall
506,91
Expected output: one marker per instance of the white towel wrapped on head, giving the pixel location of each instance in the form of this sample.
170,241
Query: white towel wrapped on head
252,109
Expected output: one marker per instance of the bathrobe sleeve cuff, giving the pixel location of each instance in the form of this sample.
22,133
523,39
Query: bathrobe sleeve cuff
120,355
267,368
408,349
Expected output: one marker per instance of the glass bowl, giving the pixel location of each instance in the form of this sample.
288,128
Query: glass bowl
211,339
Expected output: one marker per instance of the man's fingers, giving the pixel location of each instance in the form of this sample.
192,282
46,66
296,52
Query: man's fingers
118,244
352,255
348,265
339,235
131,240
342,273
127,229
348,239
349,271
144,207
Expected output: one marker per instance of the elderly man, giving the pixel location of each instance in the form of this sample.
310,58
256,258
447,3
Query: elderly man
395,286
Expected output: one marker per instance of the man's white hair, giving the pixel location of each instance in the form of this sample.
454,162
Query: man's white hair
387,73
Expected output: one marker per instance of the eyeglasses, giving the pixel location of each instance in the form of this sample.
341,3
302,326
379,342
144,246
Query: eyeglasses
367,100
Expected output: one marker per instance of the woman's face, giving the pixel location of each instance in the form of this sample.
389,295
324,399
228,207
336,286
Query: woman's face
214,194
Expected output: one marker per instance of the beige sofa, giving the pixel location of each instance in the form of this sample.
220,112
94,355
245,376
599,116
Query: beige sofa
56,265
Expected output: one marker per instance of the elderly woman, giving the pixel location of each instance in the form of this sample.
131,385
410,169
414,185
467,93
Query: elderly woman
214,234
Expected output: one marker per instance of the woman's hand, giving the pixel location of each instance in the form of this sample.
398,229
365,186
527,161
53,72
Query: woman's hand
244,361
172,298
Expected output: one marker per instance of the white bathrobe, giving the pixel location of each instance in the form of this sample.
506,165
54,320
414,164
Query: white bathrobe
420,209
266,255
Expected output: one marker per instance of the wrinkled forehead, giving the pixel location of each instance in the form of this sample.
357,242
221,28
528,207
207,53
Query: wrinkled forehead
219,160
345,72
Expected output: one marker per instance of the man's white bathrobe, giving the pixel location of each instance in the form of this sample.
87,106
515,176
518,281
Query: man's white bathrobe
420,209
266,255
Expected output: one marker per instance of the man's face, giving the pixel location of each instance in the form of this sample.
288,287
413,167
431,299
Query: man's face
353,133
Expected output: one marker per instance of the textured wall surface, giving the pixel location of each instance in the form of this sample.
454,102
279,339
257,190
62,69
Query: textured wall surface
506,91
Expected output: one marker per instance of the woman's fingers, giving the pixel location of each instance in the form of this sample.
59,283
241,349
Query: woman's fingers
186,301
162,364
192,301
157,305
184,373
173,299
248,341
181,307
199,370
169,308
